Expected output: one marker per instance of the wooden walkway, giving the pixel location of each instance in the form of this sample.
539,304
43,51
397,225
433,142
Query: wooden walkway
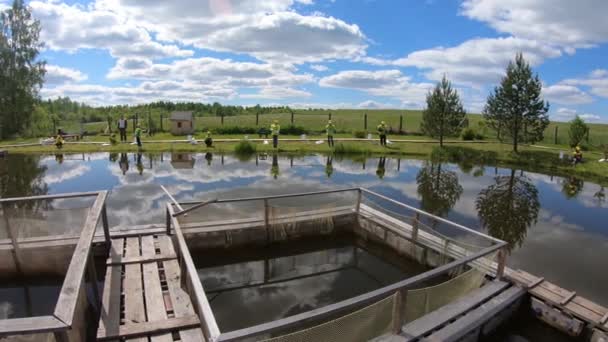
142,298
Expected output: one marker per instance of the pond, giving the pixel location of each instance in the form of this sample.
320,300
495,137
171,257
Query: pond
556,226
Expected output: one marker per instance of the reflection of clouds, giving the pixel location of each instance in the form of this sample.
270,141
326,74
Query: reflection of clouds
64,172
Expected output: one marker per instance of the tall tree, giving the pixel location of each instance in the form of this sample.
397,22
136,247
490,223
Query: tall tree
21,74
444,114
578,130
508,208
516,107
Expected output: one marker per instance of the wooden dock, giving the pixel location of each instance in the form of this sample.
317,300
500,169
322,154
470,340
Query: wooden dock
143,299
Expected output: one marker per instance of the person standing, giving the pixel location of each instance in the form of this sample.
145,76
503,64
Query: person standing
138,136
122,127
275,129
331,130
382,133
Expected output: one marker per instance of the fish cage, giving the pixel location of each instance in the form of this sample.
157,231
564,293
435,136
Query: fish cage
48,285
456,260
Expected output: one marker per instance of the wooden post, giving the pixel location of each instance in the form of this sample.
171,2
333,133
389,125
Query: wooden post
267,219
161,122
365,121
555,135
106,228
399,311
222,119
359,195
329,115
257,119
292,118
502,260
400,123
168,220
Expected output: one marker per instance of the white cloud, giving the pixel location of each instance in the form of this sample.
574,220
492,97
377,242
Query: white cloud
597,82
268,30
319,67
388,83
566,94
59,75
563,22
370,104
475,62
73,27
567,114
277,93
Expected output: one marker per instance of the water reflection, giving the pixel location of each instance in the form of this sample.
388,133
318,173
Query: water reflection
498,200
508,208
438,189
572,186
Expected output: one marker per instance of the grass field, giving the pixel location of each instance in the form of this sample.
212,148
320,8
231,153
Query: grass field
351,120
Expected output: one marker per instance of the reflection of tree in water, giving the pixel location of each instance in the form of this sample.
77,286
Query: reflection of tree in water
572,186
508,208
22,175
438,189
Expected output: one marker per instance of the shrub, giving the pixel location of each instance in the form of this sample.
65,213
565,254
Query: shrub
293,130
468,134
245,147
235,130
479,136
360,134
350,149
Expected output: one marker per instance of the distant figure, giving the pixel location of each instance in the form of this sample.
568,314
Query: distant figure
122,127
382,133
59,139
577,156
331,130
138,136
275,129
381,169
208,158
329,166
124,163
208,139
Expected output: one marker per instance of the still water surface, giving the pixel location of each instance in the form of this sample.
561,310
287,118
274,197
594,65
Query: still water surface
557,226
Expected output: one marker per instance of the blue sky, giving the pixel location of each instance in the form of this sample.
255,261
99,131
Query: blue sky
322,53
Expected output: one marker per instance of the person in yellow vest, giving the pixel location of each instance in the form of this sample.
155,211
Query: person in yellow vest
330,128
577,156
208,139
382,133
275,129
59,139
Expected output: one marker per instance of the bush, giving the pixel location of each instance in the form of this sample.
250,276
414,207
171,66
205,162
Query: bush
245,147
479,136
235,130
350,149
293,130
360,134
468,134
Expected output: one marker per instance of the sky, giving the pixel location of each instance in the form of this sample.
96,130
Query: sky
322,53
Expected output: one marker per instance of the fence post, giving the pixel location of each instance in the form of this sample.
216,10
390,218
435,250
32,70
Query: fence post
161,122
365,122
399,310
222,119
168,221
400,123
257,119
502,260
329,115
359,195
555,136
292,118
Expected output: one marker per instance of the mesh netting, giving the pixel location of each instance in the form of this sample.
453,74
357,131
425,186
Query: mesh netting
361,325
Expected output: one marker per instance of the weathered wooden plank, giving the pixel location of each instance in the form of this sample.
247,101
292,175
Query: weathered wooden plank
112,289
139,259
72,284
155,304
136,330
182,306
30,325
431,321
474,319
133,289
568,299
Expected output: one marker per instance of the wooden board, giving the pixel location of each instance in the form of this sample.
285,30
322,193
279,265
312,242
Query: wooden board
149,298
155,304
182,306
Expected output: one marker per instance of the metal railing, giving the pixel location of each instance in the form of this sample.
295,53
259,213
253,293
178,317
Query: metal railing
400,289
81,263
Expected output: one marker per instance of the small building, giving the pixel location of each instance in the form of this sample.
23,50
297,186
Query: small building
182,123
